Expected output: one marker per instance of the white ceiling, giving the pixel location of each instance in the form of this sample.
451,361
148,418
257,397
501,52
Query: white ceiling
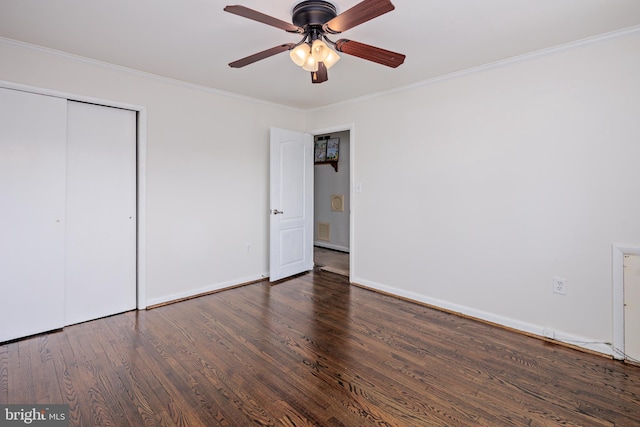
194,40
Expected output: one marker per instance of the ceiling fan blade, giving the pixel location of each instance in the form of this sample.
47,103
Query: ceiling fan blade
358,14
261,55
245,12
321,75
370,53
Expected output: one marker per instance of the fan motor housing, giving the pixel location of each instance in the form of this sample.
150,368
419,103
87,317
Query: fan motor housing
313,12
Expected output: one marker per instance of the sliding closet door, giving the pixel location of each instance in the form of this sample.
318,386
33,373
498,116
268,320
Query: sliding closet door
101,212
32,203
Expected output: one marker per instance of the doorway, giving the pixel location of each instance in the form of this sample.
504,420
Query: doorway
332,200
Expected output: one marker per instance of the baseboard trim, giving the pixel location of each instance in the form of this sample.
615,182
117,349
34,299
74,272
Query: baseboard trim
529,329
207,290
331,246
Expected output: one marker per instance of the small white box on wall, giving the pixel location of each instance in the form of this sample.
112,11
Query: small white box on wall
337,202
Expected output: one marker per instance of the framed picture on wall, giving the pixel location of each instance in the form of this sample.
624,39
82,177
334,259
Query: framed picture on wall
333,149
320,151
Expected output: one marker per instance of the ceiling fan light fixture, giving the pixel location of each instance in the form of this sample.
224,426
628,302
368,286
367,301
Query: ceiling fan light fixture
331,59
310,64
299,54
314,19
319,50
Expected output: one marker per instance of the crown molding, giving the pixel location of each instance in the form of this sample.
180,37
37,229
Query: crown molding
167,80
473,70
496,64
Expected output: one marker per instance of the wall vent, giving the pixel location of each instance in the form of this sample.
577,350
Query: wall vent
324,231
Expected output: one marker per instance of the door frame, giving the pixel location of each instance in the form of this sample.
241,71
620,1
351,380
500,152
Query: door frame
141,175
350,127
618,251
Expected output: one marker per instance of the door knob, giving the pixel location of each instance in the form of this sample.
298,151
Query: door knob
276,212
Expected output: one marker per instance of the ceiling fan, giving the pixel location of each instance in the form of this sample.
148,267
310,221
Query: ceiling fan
314,20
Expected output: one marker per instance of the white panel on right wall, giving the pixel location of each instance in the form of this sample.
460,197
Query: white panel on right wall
632,307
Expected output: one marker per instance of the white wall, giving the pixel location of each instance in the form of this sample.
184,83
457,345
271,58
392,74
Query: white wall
476,189
496,180
328,181
207,168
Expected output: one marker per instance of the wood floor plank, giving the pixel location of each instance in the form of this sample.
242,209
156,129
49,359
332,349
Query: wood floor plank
68,374
165,399
4,373
312,351
20,377
96,391
190,361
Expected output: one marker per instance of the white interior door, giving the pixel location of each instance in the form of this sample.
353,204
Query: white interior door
101,212
32,193
632,306
291,204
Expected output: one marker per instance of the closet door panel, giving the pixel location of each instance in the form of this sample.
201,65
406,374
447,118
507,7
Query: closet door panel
101,212
32,204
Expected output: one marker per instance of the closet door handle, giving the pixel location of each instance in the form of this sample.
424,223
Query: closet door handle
276,212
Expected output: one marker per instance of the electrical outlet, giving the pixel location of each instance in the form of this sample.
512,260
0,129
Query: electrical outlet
559,286
248,248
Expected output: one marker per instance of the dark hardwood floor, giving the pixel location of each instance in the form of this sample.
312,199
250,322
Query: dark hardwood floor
312,350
